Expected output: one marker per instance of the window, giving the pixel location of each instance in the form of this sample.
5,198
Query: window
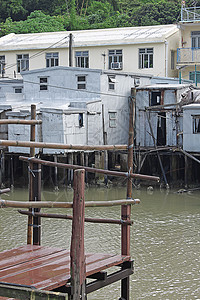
192,76
172,59
81,82
111,82
52,59
195,39
112,119
80,119
22,62
2,65
145,58
155,98
196,124
18,90
43,83
82,59
115,59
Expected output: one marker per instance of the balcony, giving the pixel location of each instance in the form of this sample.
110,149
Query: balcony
190,14
187,56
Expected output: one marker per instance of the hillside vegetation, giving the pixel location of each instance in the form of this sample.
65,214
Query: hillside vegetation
26,16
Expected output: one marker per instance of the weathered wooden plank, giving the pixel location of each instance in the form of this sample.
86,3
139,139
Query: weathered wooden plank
23,254
22,293
105,264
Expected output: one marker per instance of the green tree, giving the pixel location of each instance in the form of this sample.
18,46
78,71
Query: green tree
36,22
13,9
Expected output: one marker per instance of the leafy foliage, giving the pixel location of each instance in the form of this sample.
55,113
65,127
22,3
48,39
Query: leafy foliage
22,16
36,22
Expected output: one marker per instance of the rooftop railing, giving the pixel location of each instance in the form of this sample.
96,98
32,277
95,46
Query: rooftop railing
190,14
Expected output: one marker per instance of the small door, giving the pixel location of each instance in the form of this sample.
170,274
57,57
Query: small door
161,129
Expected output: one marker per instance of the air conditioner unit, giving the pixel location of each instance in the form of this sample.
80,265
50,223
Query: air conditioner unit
116,65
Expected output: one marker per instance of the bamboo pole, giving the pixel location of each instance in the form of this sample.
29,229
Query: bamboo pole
23,122
92,170
67,217
60,146
50,204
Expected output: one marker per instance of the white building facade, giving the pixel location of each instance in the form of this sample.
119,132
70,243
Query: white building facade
145,50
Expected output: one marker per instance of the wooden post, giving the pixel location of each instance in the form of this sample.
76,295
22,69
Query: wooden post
11,172
37,197
70,50
86,164
126,209
77,254
105,166
56,174
31,197
186,171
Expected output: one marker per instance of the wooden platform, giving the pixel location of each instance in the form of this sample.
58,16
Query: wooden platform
48,268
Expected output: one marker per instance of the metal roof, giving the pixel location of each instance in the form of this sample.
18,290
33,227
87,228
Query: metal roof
111,36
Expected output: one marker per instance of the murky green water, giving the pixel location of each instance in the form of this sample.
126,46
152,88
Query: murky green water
165,239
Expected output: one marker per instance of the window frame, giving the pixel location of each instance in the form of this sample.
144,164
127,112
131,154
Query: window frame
80,120
2,64
111,82
195,39
192,76
196,126
145,56
112,118
22,63
18,88
82,59
52,59
172,60
43,81
115,56
81,82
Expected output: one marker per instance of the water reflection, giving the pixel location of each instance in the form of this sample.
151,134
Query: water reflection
165,239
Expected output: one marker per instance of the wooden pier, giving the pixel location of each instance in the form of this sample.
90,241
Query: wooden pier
37,272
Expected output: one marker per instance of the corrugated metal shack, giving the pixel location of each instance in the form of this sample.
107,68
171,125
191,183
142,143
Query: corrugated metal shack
166,131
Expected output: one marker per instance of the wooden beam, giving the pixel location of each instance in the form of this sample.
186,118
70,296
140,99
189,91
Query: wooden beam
60,146
51,204
22,122
67,217
91,170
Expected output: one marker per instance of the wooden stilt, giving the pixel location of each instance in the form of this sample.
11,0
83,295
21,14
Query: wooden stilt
31,196
56,174
77,254
86,164
105,166
11,172
36,181
186,171
126,209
